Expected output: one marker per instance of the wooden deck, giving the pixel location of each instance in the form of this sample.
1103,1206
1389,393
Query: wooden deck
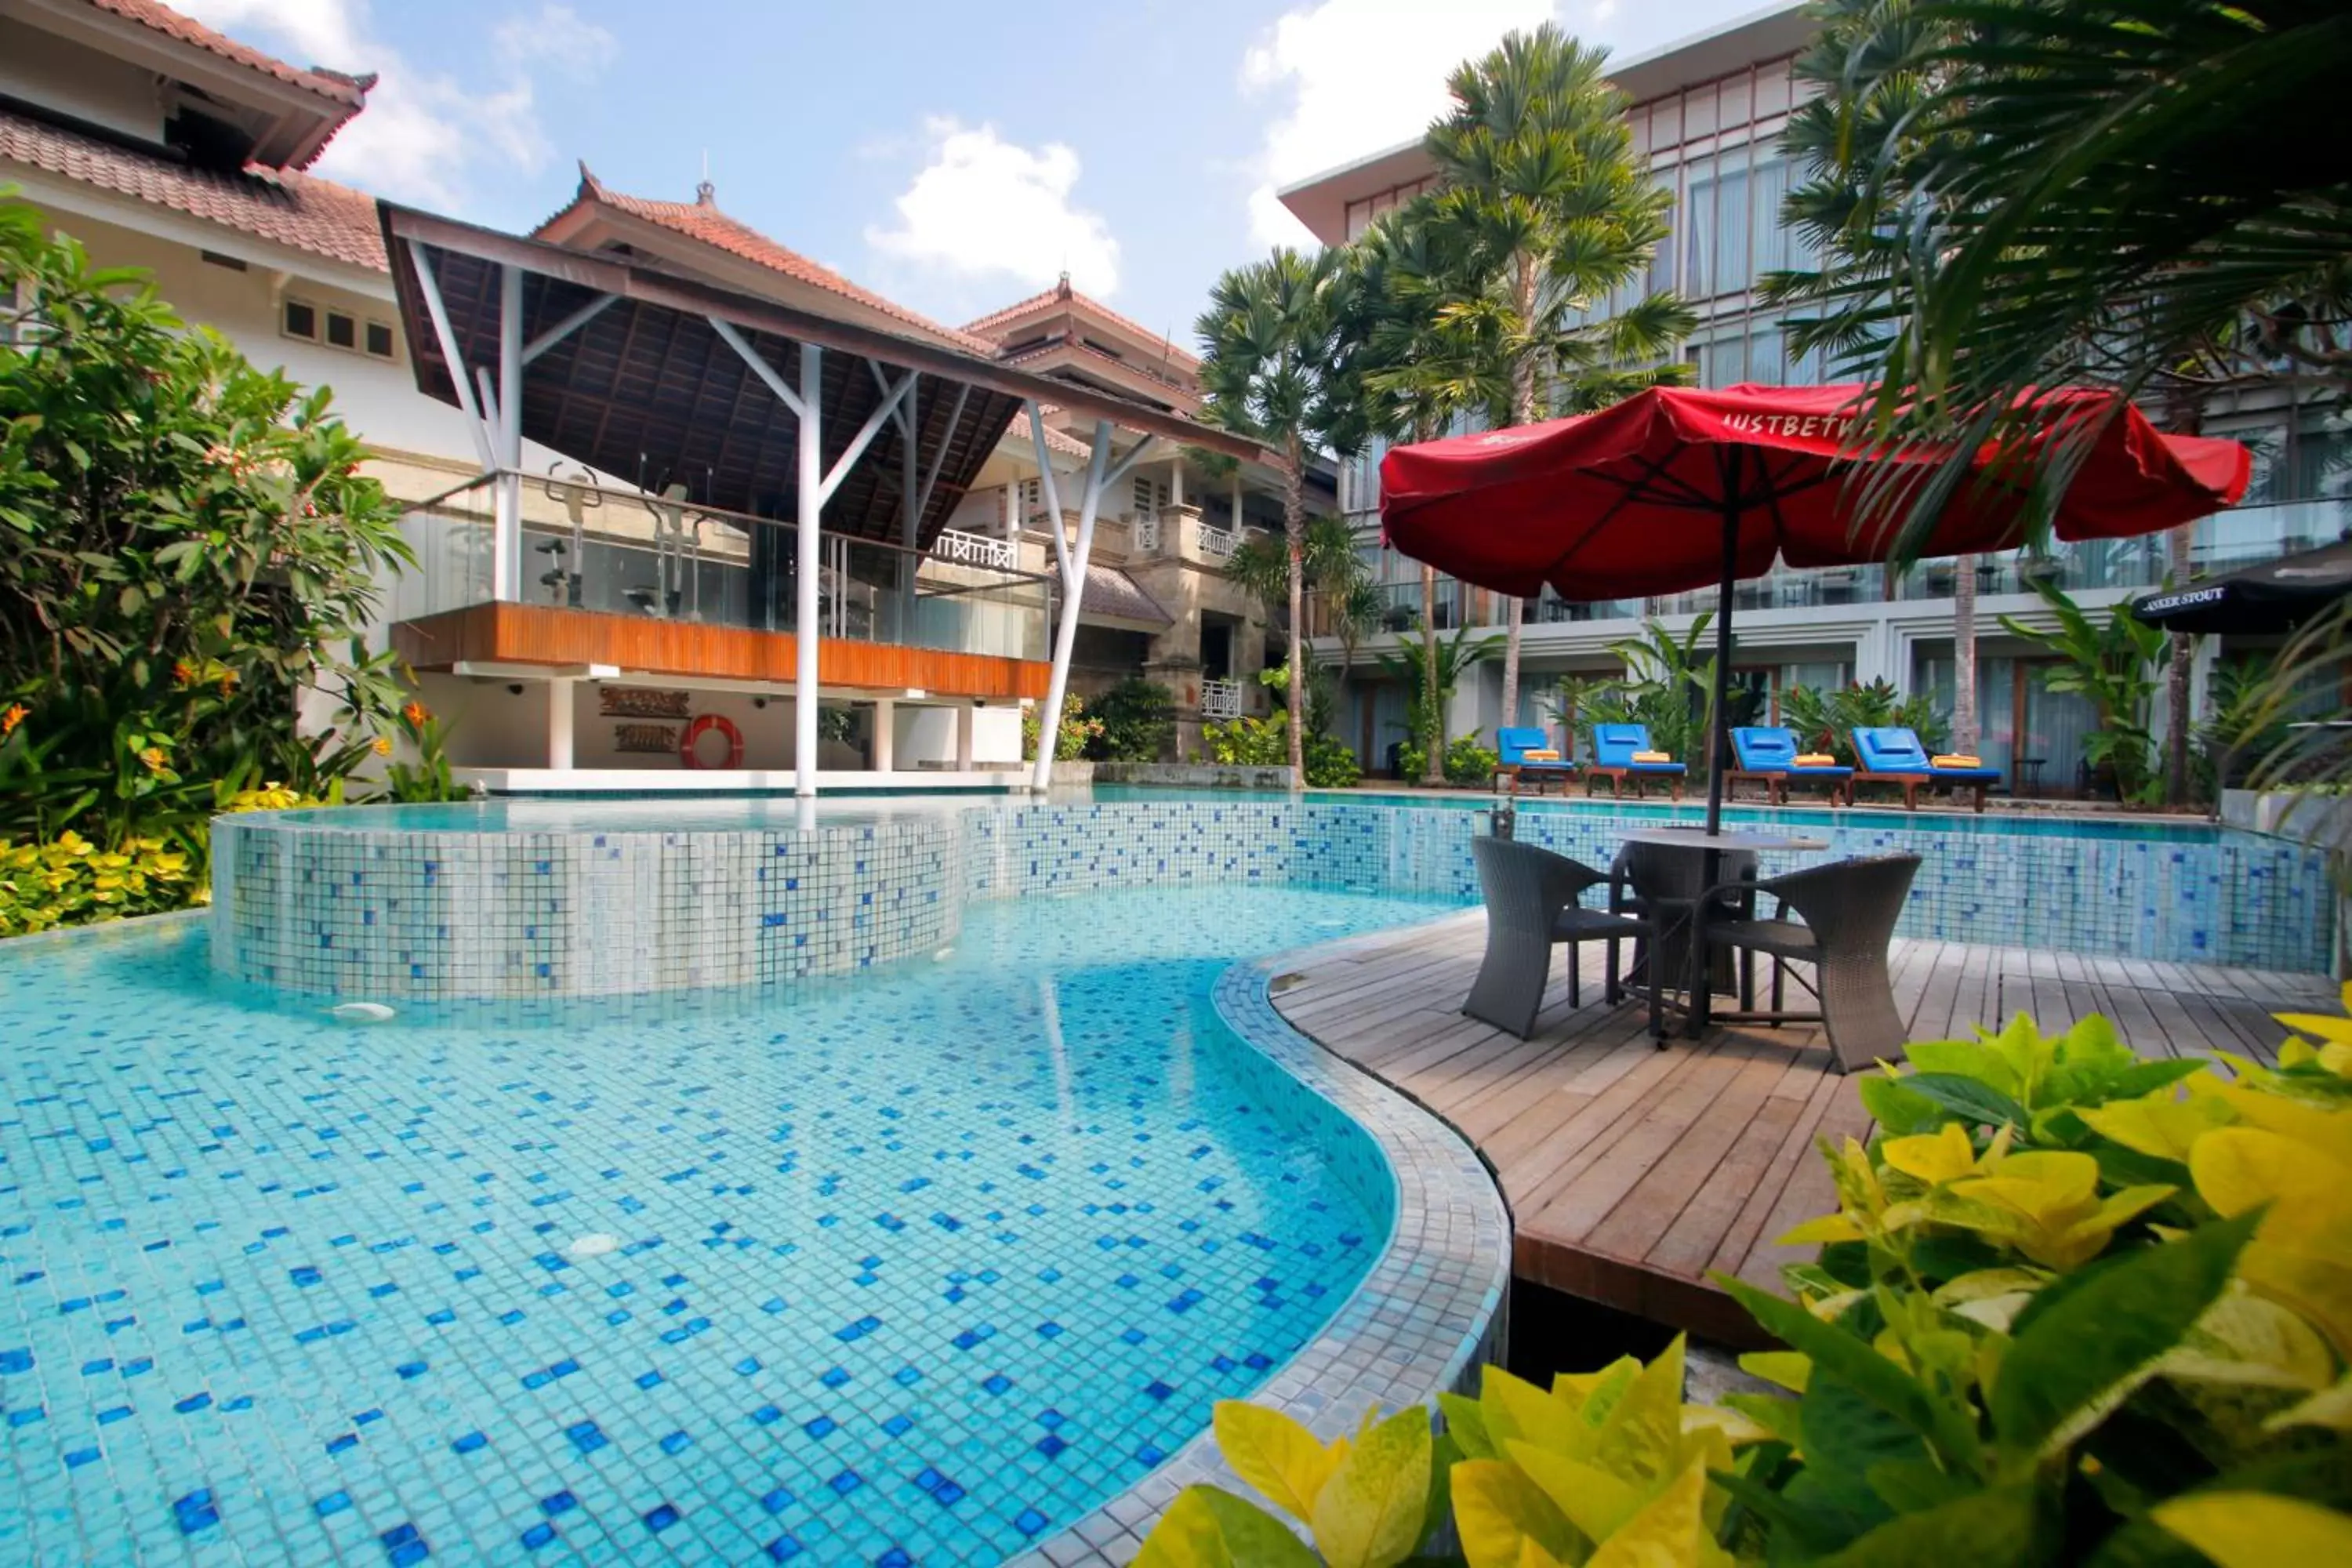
1633,1173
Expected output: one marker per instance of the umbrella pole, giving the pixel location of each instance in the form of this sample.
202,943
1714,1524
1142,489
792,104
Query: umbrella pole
1718,752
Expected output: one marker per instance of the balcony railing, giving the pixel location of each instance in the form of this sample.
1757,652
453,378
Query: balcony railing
632,554
1221,699
976,550
1218,544
2223,543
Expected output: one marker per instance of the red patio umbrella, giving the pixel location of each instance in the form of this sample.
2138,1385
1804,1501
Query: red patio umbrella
1674,489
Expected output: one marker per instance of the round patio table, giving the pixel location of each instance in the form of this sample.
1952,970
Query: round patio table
1699,987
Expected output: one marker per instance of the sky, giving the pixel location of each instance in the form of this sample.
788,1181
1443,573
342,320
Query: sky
953,156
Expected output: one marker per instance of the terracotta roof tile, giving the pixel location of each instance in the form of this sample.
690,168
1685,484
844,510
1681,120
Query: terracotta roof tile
344,90
1062,293
705,221
286,208
1111,592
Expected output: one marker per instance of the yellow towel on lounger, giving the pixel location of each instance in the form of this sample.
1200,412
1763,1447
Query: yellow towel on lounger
1813,760
1540,754
1955,760
1652,757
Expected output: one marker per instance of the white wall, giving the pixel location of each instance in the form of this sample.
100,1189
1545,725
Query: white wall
486,726
996,735
70,78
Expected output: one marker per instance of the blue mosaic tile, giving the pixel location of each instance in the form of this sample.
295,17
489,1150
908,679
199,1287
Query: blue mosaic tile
369,1303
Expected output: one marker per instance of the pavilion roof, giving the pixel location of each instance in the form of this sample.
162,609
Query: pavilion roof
649,391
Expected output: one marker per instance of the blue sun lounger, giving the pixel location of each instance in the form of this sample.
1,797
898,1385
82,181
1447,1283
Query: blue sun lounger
1514,743
1768,754
1613,749
1893,756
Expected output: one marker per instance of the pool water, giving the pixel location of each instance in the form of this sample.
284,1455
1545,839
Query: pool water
911,1267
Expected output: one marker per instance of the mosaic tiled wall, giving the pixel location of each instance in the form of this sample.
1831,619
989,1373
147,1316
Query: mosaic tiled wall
424,915
441,915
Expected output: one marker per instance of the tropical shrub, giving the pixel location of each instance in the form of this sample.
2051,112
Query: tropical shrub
1139,722
2074,1306
426,780
1071,738
1331,764
69,880
187,545
2110,660
1249,743
1469,765
1826,720
1408,665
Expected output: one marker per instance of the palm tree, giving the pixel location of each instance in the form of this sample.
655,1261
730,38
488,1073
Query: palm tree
2015,193
1421,371
1539,176
1436,664
1964,653
1330,569
1275,367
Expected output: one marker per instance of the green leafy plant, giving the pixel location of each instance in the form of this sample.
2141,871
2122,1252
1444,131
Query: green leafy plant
1139,721
2109,659
1669,685
1248,742
1826,720
187,546
1331,764
1407,664
425,780
69,880
2073,1306
1471,764
1075,732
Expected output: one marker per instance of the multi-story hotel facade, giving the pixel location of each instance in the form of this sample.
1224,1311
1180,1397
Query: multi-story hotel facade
164,145
1707,114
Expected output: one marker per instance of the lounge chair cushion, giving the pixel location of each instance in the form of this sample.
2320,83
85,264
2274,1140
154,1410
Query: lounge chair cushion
1894,750
1517,743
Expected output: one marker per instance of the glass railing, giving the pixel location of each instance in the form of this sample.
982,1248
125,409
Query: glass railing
2223,543
639,556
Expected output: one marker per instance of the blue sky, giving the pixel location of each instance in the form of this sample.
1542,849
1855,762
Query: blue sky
955,156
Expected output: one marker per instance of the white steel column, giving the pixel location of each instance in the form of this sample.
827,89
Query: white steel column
1101,474
559,724
506,581
910,520
805,631
965,720
886,734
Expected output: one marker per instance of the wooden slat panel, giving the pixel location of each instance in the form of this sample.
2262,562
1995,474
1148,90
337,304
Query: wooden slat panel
542,634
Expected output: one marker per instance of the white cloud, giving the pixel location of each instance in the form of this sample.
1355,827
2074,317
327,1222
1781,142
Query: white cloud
423,132
555,37
1358,77
983,206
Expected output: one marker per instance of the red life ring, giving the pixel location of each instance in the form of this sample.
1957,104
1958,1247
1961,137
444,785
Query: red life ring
702,725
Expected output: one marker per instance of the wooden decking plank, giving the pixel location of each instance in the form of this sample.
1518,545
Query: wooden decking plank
1634,1172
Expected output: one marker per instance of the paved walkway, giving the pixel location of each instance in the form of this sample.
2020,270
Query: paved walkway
1633,1173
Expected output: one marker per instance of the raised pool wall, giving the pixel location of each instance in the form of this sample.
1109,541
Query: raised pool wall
420,914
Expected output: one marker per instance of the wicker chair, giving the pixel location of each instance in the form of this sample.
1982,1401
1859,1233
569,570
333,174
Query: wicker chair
1847,912
1533,904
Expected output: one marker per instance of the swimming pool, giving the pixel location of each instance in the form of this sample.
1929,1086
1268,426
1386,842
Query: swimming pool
551,898
916,1264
